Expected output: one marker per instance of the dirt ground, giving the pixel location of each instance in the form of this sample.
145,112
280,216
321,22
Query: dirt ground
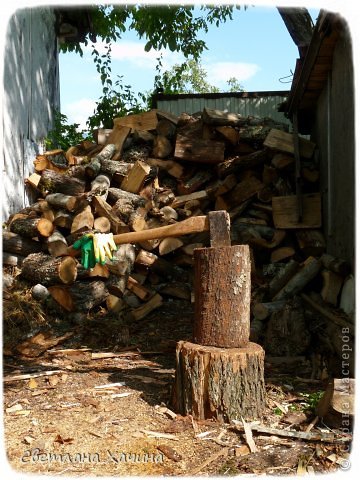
62,423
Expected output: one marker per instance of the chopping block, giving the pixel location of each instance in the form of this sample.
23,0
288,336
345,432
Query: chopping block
220,374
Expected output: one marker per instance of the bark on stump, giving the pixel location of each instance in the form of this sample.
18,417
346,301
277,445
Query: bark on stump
219,383
222,296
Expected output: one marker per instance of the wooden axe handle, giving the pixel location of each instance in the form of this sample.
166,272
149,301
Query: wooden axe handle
190,225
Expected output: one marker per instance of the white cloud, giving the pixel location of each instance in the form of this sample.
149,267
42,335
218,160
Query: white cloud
79,111
221,71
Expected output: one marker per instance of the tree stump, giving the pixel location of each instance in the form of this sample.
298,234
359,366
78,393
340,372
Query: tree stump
222,296
219,383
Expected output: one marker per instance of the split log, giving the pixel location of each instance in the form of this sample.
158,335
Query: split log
102,225
47,270
284,142
282,160
182,199
166,128
177,290
164,198
310,268
52,182
142,311
32,227
336,265
222,296
219,383
118,137
332,283
33,180
162,147
242,162
195,149
311,242
229,134
269,175
220,118
59,200
98,271
53,160
338,403
57,245
83,220
139,121
139,290
173,168
334,315
169,244
285,211
243,191
194,183
281,254
63,219
79,297
283,277
261,311
103,209
115,304
134,180
18,245
149,260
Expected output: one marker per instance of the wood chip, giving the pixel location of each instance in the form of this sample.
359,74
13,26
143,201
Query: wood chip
169,453
151,433
249,437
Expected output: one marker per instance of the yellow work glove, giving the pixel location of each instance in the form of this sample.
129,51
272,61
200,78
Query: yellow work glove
104,245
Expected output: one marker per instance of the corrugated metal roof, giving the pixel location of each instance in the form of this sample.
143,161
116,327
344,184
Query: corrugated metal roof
258,104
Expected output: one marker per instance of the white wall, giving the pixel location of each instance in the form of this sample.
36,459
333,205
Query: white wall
30,92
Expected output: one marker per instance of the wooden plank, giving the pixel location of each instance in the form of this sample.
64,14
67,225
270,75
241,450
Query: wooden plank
285,211
139,121
284,142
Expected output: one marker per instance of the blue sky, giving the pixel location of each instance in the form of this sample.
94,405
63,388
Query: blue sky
255,47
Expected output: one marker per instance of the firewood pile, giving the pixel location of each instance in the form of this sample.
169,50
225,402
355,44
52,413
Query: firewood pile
154,169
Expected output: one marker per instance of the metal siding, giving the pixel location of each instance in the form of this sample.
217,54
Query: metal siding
261,106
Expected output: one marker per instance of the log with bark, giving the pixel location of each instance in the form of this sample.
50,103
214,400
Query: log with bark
52,182
195,149
32,227
48,270
80,296
19,245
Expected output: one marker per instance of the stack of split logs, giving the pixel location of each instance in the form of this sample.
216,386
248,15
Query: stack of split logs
154,169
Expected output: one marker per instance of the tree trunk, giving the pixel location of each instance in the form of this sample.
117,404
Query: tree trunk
47,270
222,296
219,383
